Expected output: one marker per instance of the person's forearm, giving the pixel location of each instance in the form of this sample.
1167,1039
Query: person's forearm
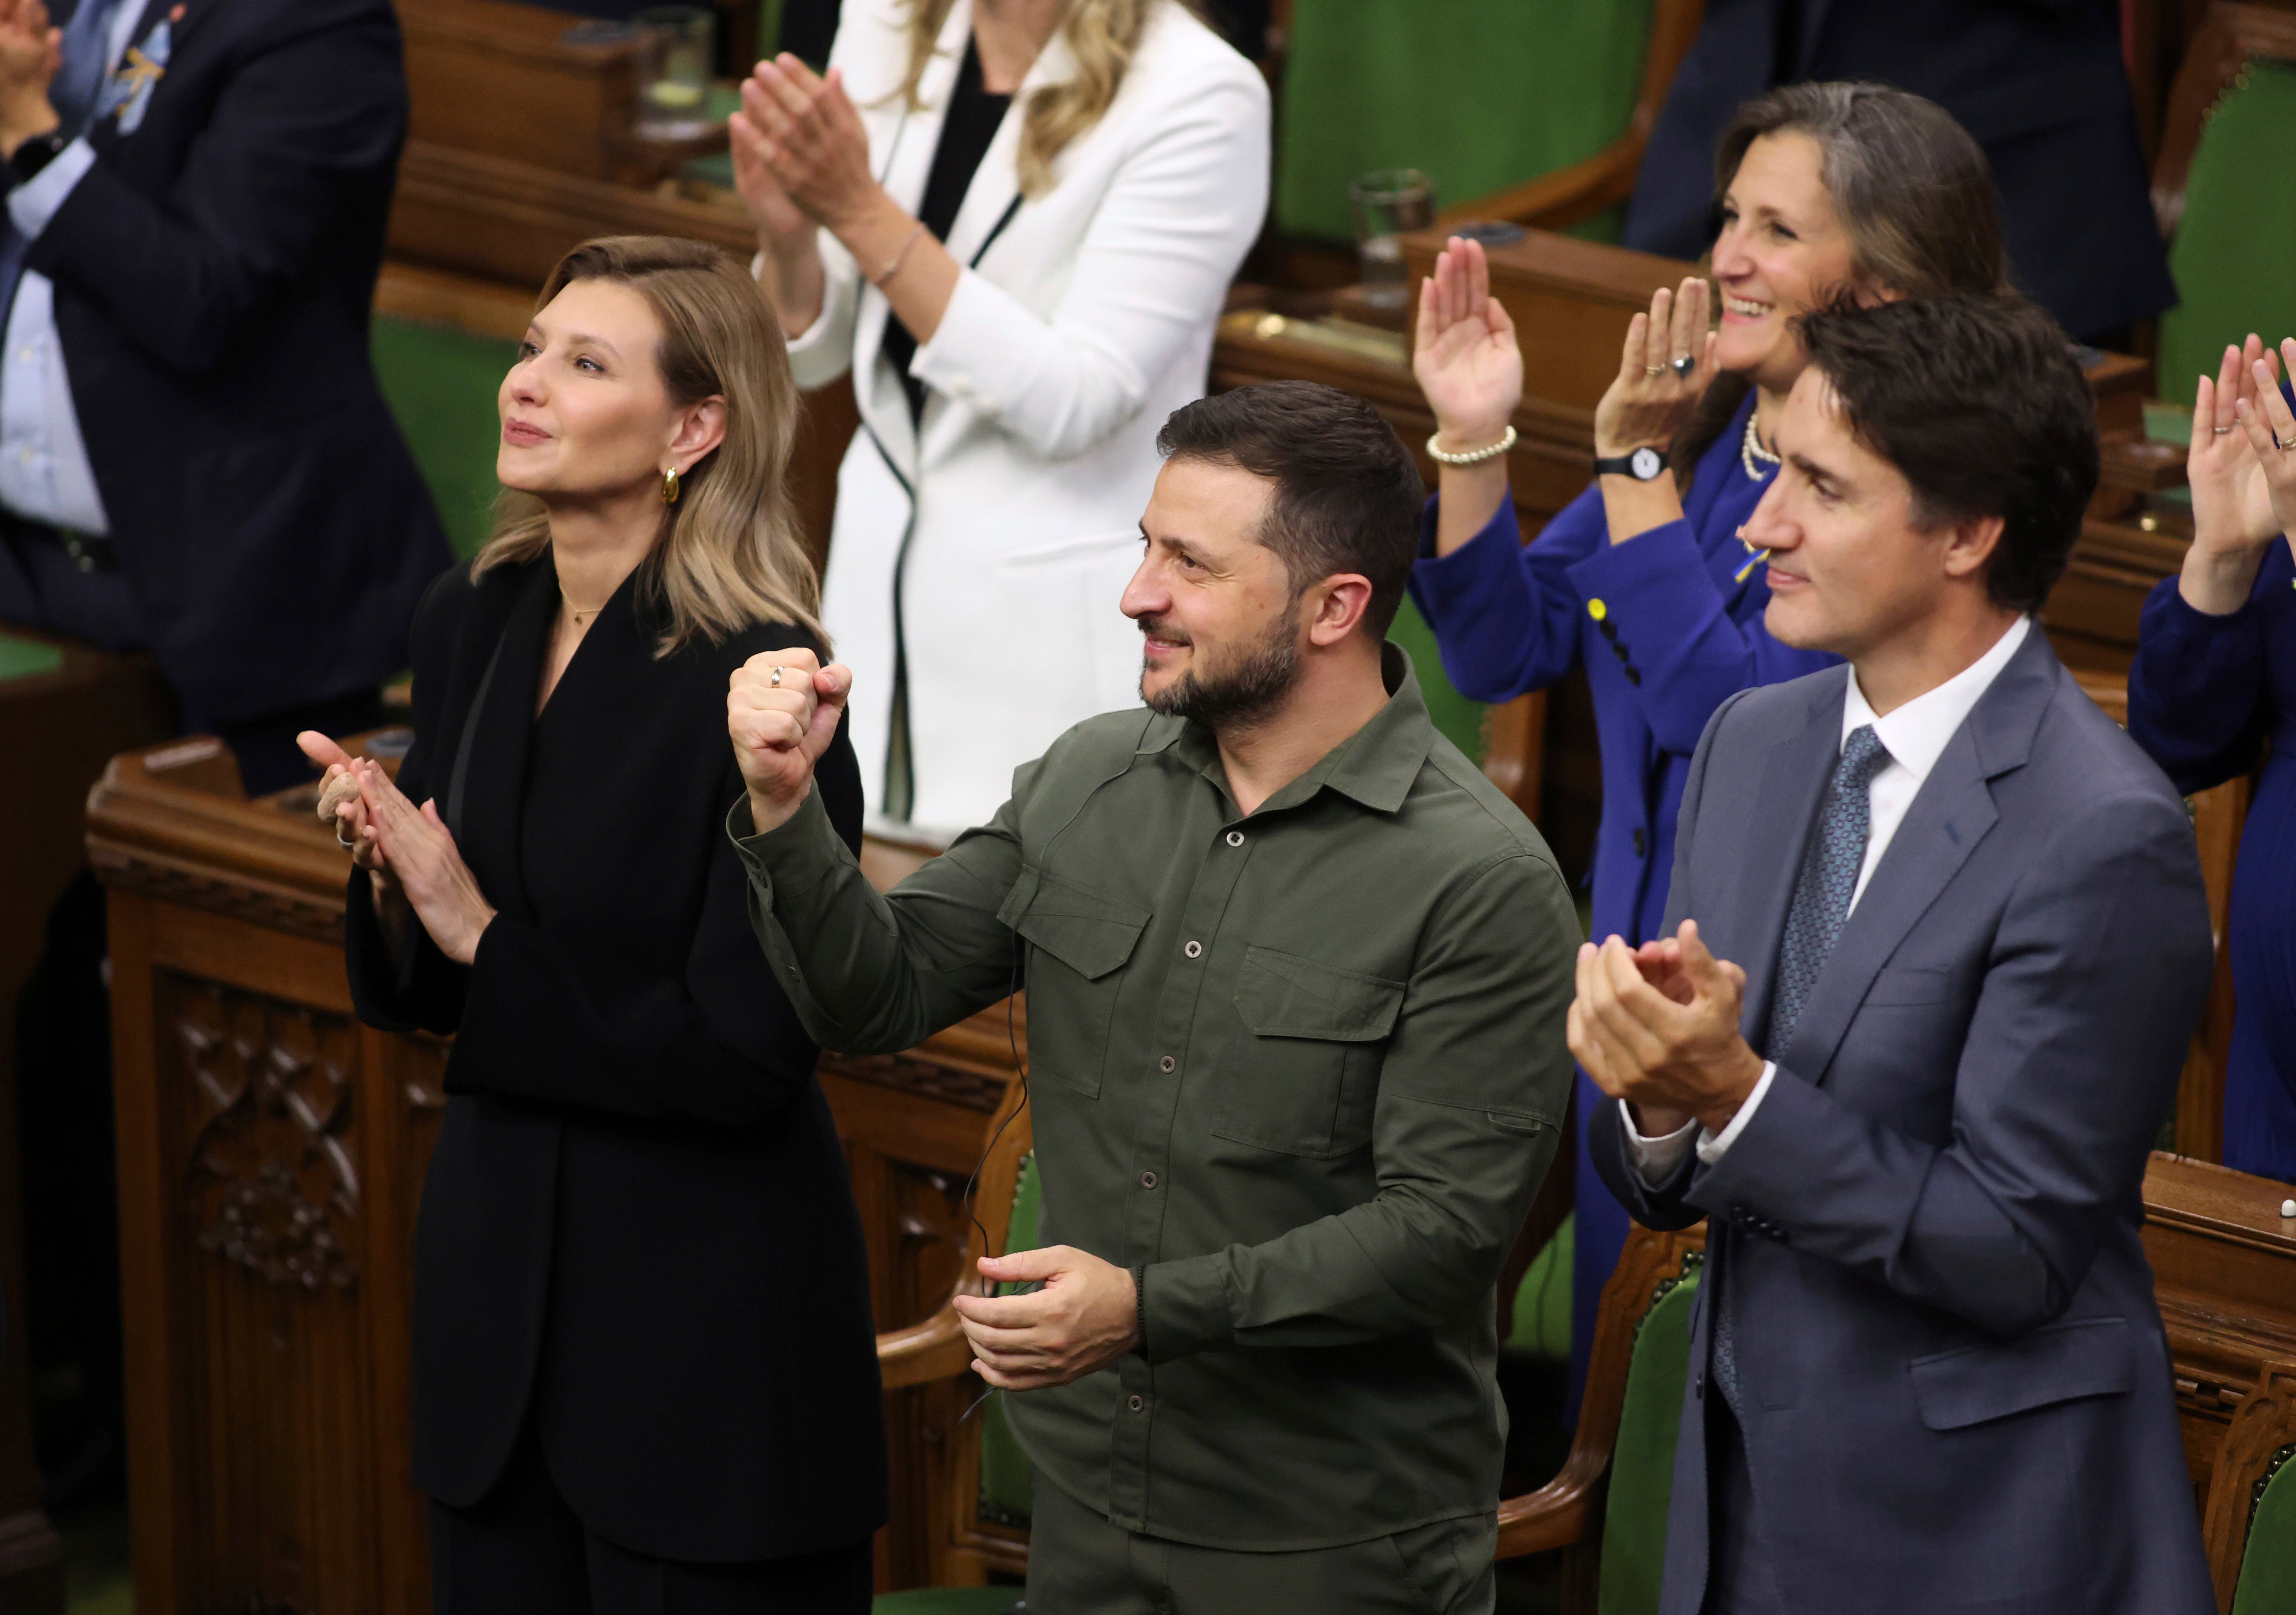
794,280
884,236
1472,495
1631,508
23,117
2216,581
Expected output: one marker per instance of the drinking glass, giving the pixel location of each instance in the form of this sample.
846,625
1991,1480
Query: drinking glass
676,44
1387,202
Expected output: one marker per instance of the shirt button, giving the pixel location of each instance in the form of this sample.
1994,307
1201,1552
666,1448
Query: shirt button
1618,649
1634,677
1135,1403
1194,950
1147,1180
1236,838
1642,842
1167,1062
1597,609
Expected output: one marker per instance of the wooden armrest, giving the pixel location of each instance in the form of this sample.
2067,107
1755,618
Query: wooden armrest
1563,198
934,1349
1558,1513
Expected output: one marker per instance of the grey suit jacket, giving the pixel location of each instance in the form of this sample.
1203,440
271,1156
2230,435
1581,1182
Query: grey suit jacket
1957,1392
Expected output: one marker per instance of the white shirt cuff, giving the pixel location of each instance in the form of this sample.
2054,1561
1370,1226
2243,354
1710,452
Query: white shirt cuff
32,204
1654,1158
1713,1146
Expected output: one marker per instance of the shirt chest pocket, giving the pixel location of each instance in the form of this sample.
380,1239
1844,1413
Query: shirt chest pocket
1079,943
1306,1080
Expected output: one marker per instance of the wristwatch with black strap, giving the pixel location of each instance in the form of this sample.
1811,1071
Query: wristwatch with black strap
34,154
1645,464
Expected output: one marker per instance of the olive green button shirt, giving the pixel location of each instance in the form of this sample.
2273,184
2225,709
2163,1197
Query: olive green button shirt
1307,1066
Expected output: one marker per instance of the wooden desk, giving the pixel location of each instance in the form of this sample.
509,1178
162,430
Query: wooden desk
64,708
272,1149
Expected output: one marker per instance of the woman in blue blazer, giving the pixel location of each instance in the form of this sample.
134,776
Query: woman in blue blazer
1821,190
2213,690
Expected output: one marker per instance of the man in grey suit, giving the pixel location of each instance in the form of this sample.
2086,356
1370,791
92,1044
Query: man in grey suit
1970,945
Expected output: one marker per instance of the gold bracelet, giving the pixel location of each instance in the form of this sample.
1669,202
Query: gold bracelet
894,269
1473,456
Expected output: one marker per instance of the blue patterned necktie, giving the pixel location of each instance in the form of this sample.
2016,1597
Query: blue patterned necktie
72,93
1821,902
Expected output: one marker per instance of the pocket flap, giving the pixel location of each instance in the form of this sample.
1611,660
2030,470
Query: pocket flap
1090,934
2085,1357
1281,995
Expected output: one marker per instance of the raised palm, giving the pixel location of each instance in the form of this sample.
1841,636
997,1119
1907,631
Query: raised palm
779,222
1466,357
2232,495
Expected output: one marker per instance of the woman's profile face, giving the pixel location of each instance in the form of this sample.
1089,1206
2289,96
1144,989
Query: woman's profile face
1781,252
585,411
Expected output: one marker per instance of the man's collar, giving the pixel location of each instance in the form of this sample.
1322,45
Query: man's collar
1376,766
1915,733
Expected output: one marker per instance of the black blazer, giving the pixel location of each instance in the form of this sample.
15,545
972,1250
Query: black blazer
637,1225
2039,82
213,276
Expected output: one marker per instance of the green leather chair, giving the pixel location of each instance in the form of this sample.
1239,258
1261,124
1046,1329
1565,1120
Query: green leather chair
2251,1523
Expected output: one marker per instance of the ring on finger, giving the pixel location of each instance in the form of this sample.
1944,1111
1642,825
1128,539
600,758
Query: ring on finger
1684,365
2219,430
777,680
1653,370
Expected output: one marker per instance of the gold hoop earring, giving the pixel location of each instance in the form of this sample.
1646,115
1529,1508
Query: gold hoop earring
670,486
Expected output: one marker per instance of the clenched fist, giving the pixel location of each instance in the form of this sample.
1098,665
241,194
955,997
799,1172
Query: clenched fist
782,712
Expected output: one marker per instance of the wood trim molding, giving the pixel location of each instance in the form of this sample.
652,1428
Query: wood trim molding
2260,1441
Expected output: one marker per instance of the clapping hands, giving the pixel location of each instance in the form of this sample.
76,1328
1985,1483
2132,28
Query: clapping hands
407,850
1658,1026
2243,482
31,50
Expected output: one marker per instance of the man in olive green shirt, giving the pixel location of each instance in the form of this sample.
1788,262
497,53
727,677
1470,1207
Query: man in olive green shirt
1297,976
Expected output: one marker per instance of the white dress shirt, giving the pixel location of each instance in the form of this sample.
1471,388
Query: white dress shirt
44,473
1914,736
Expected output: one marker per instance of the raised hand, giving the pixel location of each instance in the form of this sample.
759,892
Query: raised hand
1465,355
810,138
2270,427
31,53
428,868
782,709
342,806
1650,398
2232,507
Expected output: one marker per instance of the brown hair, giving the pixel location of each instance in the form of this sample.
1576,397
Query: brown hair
729,555
1979,402
1348,493
1913,190
1102,35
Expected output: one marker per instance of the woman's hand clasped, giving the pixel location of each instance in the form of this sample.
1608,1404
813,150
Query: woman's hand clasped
1654,391
800,154
408,851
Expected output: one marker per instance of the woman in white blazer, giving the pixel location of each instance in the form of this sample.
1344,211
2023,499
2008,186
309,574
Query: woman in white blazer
987,510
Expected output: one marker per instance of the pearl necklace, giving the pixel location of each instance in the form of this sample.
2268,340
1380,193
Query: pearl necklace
1751,450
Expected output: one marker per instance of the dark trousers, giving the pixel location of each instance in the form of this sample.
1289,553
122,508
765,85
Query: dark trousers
1079,1564
522,1551
1740,1576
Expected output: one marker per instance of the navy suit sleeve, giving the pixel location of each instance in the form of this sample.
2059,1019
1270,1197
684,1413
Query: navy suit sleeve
2095,980
720,1042
2196,690
315,112
1505,615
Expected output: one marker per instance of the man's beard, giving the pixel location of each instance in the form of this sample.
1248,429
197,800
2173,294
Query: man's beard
1235,696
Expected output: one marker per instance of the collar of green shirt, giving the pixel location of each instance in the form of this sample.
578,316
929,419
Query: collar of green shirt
1376,766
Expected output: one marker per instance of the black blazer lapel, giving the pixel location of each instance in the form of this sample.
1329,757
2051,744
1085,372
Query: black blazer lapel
494,791
1951,815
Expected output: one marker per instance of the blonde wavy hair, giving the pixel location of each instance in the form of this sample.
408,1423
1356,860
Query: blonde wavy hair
729,555
1102,35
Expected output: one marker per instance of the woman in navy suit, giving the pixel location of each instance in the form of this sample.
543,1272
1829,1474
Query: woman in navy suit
1822,189
2215,682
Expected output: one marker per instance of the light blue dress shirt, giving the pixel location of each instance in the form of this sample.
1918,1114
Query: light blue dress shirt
44,473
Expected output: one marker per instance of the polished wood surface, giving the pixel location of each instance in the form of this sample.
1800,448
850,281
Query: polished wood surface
2260,1441
57,729
272,1149
486,75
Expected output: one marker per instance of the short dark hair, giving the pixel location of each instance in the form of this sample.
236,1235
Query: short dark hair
1348,493
1977,401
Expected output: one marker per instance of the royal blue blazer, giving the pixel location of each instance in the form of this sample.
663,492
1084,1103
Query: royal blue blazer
1668,624
2207,695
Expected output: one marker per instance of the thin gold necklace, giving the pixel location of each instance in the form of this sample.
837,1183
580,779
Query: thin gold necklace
576,616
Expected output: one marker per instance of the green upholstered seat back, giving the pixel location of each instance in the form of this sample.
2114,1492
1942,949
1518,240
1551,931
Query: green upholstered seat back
1007,1482
946,1600
1642,1464
1541,1324
2267,1570
2237,238
21,658
440,384
1479,94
